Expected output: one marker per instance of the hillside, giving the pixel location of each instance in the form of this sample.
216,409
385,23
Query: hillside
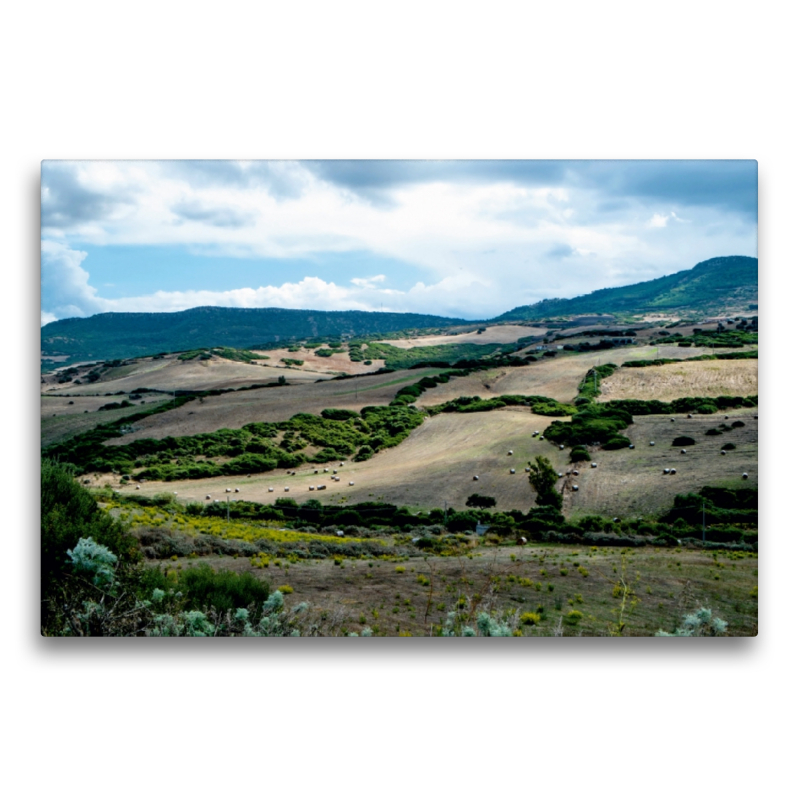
714,284
127,335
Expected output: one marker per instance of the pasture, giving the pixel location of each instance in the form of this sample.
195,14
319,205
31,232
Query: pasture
495,334
737,378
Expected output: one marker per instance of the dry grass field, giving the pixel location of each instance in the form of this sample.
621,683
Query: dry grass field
319,365
59,426
552,377
496,334
630,482
666,585
433,466
437,462
168,374
274,404
690,379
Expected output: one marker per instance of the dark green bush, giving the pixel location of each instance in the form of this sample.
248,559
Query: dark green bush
224,590
683,441
579,453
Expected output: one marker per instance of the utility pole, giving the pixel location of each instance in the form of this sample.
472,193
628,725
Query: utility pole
704,520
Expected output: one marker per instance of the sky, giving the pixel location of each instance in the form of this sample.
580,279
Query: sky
467,239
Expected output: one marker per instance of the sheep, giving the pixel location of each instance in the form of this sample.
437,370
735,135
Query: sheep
341,463
522,540
561,447
673,472
271,489
208,497
574,472
536,433
511,452
672,419
352,483
325,470
594,464
249,476
755,416
688,416
340,533
560,474
744,476
236,490
541,438
630,447
320,488
310,488
285,488
666,470
726,416
316,471
227,491
652,444
138,487
722,453
574,487
616,519
513,471
335,471
175,493
683,452
474,477
527,469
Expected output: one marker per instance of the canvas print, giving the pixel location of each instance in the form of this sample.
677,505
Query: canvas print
399,398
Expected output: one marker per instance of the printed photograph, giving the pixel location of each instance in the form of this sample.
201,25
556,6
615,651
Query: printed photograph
399,398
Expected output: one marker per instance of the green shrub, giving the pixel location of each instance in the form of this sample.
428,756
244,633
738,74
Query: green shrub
224,590
579,453
682,441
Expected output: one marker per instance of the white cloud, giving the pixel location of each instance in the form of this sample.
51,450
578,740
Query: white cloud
658,221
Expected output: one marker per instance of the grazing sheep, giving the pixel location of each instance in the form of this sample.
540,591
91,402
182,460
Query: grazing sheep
541,438
722,453
341,463
208,497
652,444
683,452
270,489
474,477
285,488
227,491
574,487
594,464
744,475
616,519
320,488
726,416
673,419
310,488
688,416
630,447
335,471
511,452
666,470
175,493
340,533
561,447
574,472
325,470
138,487
316,471
522,540
236,490
527,469
560,474
536,433
673,472
512,471
352,483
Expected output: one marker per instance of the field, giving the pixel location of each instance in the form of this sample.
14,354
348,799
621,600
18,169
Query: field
690,379
664,584
557,377
564,589
499,334
274,404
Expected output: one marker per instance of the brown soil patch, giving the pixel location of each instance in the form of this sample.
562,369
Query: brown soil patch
689,379
332,365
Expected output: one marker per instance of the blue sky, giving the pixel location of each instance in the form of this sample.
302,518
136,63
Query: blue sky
459,238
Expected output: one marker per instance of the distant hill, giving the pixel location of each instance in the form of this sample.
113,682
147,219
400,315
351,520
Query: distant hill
714,284
113,335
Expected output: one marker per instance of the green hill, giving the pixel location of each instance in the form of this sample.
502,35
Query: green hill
114,335
710,285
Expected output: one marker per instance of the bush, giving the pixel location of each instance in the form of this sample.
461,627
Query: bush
224,590
617,443
480,501
682,441
579,453
728,446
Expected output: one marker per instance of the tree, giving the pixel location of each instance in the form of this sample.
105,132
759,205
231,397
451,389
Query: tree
542,478
480,501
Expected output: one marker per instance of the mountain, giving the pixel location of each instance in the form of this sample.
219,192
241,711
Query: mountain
714,284
114,335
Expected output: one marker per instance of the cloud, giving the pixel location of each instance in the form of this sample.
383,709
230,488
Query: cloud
368,283
65,284
658,221
220,217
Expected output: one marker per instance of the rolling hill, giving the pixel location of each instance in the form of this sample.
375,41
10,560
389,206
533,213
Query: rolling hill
714,284
120,335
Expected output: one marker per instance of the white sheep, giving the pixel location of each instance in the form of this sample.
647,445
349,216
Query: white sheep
511,452
208,497
352,483
285,488
513,471
594,464
652,444
744,475
271,489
